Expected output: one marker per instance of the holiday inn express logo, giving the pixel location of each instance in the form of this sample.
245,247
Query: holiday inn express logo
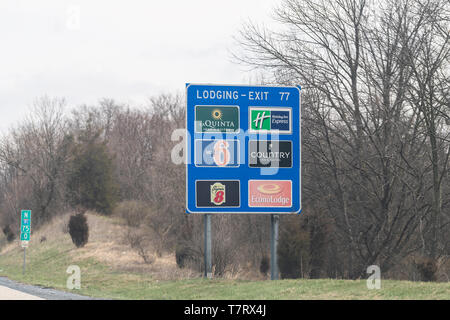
261,120
217,119
269,120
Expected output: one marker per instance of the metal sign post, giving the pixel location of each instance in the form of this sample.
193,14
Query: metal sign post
274,223
243,154
208,259
24,246
24,260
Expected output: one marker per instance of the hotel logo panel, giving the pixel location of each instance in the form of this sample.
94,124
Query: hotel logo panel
217,119
270,193
270,120
216,153
269,153
218,193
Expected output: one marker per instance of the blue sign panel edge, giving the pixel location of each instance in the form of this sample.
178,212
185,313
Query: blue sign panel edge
188,142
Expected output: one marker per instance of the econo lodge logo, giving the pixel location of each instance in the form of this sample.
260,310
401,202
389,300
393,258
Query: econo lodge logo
270,193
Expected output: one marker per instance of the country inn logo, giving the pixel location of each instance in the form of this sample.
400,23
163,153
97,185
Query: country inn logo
269,120
217,119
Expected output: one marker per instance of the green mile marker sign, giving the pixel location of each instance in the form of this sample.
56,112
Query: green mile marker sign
25,225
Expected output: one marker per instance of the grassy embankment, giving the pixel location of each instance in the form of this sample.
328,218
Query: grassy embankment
110,270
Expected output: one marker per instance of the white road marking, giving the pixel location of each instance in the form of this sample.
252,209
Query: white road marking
10,294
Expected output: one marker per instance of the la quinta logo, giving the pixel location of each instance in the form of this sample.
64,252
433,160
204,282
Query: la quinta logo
217,114
216,118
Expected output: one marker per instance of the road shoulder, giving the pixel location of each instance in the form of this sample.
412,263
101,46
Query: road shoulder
17,291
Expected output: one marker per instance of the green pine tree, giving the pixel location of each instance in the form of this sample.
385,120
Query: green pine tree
91,183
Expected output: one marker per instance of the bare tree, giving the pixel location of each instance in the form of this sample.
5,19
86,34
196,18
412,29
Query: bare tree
429,93
33,157
364,138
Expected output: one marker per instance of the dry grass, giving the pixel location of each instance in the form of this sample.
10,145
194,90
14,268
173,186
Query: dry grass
111,269
54,231
106,244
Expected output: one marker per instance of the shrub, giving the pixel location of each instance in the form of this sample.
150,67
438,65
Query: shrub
427,267
133,212
79,229
264,266
9,234
139,241
91,182
188,247
184,254
224,245
293,249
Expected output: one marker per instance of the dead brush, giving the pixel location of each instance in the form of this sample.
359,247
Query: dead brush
138,240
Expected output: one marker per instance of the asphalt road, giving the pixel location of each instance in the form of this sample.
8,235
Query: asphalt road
12,290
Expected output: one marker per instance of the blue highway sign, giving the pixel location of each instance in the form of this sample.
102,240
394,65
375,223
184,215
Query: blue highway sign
243,149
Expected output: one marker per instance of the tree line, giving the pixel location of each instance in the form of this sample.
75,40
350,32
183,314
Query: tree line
376,118
375,150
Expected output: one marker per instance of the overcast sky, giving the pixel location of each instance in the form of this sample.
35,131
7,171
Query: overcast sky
84,50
